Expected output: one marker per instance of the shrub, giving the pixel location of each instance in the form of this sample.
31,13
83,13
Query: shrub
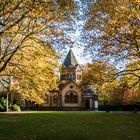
2,104
1,107
3,101
15,107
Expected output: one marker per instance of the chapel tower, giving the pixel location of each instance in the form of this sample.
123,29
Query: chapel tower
71,69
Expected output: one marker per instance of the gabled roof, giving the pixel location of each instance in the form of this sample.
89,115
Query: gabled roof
62,86
70,60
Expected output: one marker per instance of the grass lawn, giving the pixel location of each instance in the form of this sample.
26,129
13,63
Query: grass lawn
69,126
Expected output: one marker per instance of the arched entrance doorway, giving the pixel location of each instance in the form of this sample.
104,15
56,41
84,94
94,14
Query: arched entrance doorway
87,104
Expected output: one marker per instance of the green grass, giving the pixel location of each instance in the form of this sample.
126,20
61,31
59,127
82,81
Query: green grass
69,126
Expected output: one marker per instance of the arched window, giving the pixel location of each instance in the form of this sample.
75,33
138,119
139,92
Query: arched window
71,97
55,99
79,77
75,99
63,77
66,77
70,76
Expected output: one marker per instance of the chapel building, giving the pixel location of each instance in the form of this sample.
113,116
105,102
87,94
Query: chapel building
70,94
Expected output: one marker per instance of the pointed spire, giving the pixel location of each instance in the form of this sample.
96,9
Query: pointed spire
70,59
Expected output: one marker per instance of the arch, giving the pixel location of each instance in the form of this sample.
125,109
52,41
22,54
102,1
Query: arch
79,77
70,76
63,77
87,103
71,97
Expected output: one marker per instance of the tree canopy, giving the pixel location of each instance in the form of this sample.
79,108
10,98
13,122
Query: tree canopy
22,20
113,34
115,27
27,57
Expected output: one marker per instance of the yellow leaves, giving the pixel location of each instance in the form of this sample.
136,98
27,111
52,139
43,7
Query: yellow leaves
118,23
34,72
98,73
47,16
132,74
28,24
42,10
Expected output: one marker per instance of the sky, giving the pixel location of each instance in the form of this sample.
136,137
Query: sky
75,31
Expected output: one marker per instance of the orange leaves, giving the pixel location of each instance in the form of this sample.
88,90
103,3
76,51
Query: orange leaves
131,97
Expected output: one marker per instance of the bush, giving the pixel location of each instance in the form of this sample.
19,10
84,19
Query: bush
15,107
3,101
2,107
2,104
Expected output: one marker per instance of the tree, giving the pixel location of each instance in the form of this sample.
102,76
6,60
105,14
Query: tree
22,20
132,96
114,30
131,75
99,76
98,73
117,27
33,72
112,90
6,83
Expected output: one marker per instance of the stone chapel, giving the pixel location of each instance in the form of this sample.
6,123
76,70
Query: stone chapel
70,95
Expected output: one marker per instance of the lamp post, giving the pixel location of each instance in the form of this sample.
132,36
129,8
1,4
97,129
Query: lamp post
7,100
